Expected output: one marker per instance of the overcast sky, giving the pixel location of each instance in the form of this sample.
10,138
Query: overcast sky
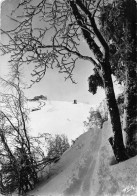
53,84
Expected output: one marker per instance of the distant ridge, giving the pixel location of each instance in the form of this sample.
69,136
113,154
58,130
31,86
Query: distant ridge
37,98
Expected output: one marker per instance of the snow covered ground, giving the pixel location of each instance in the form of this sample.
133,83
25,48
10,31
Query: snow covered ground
85,170
57,117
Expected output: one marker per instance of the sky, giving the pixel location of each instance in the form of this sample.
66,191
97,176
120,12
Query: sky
53,85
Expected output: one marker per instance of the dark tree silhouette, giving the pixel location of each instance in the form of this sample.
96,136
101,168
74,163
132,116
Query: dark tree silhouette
118,26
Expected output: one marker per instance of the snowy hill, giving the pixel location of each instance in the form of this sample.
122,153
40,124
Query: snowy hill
58,117
85,170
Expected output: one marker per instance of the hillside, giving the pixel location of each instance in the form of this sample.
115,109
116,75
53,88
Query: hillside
86,170
58,117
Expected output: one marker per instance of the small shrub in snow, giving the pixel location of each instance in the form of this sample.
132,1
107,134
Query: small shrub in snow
57,146
96,119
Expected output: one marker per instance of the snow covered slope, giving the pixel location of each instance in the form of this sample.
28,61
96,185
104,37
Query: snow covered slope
58,117
85,170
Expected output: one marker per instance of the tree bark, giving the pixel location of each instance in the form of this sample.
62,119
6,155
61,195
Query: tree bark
130,102
130,116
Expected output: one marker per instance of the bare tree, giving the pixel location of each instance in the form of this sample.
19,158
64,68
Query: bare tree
17,162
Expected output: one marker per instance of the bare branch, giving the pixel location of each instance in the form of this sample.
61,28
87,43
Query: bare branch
96,8
94,26
27,43
93,46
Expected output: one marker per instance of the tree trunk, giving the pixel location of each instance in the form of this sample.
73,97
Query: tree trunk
130,102
117,141
130,116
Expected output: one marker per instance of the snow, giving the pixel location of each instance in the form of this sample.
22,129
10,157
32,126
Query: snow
58,117
85,170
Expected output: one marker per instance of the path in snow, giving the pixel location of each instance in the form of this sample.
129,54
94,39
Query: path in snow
75,172
80,185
